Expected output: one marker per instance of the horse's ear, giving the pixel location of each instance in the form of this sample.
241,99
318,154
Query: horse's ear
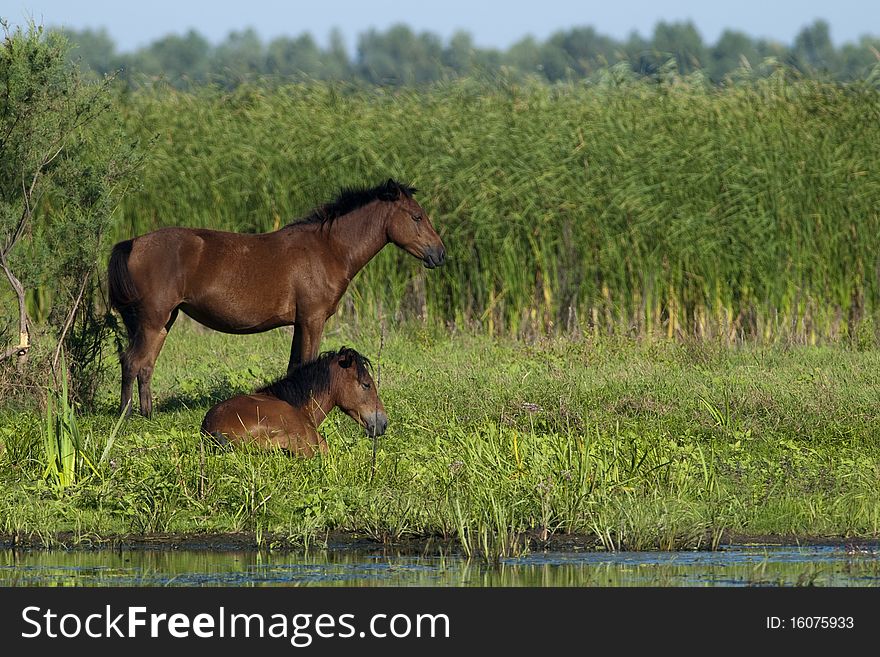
390,191
345,358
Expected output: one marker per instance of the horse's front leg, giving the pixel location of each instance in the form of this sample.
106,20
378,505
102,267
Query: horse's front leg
306,341
296,348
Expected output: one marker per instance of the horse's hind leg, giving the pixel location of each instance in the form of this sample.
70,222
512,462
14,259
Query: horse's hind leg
151,343
132,327
128,374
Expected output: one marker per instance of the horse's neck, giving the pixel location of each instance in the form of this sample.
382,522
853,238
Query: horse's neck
358,236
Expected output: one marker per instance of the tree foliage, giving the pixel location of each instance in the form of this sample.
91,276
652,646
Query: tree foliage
399,56
63,165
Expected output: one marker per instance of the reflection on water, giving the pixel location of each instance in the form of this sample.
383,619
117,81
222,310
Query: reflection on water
733,566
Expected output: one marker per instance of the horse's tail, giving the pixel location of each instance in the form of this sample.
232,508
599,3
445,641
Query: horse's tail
123,293
216,438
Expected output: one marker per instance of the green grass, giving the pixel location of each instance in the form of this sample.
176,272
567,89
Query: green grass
635,445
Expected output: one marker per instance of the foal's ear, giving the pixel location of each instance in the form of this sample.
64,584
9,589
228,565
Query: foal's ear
391,190
345,359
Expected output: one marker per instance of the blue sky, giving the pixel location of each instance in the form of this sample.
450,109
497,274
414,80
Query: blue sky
493,23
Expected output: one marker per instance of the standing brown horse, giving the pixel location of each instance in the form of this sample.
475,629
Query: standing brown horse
239,283
287,413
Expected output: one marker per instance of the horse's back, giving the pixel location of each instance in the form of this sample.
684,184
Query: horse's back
164,254
231,282
243,414
179,242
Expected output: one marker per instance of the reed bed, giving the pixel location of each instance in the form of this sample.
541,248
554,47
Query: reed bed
674,209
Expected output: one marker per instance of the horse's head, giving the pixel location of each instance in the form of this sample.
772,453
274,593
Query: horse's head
409,226
356,393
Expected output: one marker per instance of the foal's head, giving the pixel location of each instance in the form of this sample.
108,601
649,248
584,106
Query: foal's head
355,391
344,375
409,226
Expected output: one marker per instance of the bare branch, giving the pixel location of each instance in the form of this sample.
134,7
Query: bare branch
24,342
27,195
13,351
69,321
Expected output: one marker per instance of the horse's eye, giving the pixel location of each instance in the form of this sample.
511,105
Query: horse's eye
365,386
417,217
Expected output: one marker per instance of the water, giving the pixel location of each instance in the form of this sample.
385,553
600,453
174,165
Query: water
733,566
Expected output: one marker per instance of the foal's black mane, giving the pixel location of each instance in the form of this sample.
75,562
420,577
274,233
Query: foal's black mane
352,198
313,378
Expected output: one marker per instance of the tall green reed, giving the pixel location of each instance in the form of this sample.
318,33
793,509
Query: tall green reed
68,455
748,212
62,442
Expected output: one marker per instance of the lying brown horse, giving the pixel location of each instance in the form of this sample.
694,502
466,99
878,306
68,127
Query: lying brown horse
287,413
240,283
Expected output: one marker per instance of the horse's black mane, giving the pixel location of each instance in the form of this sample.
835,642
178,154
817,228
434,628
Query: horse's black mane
313,378
350,199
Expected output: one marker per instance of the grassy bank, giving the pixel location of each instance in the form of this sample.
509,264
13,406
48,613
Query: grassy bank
633,445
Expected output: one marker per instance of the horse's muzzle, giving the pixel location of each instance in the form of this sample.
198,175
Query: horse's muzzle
376,424
434,257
